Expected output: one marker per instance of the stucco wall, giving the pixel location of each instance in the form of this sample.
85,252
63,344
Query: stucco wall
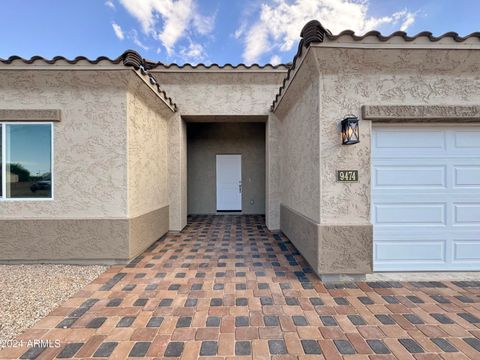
350,78
273,168
221,93
147,149
205,141
78,241
87,219
177,172
148,193
299,144
90,178
347,79
110,168
297,121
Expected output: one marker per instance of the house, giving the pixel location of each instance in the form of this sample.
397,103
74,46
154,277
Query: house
134,146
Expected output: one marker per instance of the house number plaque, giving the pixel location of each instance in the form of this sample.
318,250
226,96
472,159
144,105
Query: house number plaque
347,175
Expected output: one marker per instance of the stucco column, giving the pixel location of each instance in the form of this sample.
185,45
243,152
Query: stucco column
272,196
177,172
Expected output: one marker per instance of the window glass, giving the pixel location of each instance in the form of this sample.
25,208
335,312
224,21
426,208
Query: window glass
29,168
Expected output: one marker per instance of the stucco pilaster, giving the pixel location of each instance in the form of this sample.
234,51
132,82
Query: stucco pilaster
272,203
177,172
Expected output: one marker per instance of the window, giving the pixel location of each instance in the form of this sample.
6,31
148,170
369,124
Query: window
26,161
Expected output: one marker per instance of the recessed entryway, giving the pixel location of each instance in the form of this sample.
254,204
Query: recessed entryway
426,197
229,182
226,167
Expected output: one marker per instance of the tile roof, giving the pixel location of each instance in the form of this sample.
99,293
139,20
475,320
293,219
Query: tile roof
152,65
314,32
129,58
402,34
55,59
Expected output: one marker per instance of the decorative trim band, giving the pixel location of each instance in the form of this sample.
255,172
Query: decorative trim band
29,115
421,112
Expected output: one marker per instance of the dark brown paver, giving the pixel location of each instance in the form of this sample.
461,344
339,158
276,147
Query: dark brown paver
226,286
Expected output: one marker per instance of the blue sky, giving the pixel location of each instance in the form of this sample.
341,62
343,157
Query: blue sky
219,31
30,145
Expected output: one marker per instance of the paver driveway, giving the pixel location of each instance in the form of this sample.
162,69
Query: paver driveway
227,287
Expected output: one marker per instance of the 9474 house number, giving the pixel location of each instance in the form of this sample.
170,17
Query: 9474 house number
347,175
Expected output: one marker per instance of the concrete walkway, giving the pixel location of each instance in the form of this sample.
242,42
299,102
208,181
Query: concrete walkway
225,287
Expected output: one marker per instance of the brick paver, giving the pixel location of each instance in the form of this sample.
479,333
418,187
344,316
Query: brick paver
226,287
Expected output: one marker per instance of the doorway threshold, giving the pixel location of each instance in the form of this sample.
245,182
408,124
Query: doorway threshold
424,276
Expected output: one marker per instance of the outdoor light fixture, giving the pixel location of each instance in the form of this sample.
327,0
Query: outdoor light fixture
350,133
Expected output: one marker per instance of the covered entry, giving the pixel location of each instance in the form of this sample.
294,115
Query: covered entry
426,197
226,167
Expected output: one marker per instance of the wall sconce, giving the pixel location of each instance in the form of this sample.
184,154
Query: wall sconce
350,131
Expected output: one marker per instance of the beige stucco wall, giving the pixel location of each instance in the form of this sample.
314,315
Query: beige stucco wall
110,167
177,172
78,241
89,173
221,92
298,115
347,78
272,172
205,141
148,193
147,149
350,78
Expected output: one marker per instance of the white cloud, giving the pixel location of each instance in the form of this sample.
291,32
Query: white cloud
240,31
178,18
406,17
110,4
275,60
256,42
203,24
194,53
118,31
280,22
134,37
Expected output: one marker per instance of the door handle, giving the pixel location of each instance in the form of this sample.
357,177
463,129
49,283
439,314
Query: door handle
240,187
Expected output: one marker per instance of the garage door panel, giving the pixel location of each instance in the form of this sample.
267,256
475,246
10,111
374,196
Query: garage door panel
466,213
410,251
410,214
467,176
466,251
410,176
467,139
426,198
399,139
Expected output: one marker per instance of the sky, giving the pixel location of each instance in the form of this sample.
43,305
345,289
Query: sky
210,31
30,146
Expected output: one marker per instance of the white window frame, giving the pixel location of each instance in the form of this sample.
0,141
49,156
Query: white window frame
3,125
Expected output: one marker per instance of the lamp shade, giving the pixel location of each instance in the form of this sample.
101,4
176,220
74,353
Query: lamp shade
350,130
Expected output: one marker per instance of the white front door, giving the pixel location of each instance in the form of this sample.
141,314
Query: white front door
426,197
229,182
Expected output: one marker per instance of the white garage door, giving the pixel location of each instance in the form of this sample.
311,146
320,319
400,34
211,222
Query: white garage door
426,197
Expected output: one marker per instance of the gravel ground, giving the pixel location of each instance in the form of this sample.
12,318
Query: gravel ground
29,292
